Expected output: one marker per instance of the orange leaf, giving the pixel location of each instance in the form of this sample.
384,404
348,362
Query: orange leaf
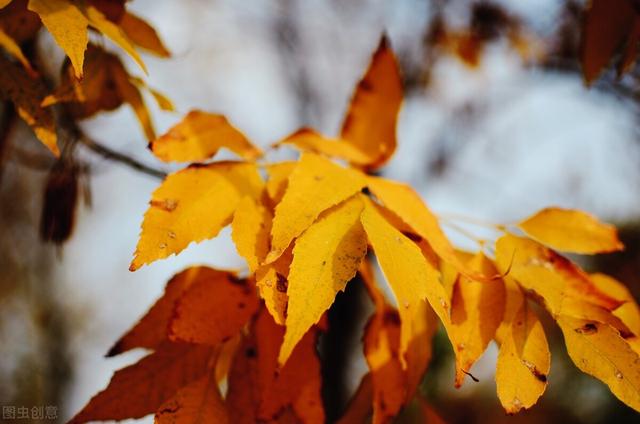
477,310
199,136
599,350
551,276
272,281
308,140
142,34
411,277
152,328
370,123
250,230
140,389
199,402
607,24
213,309
571,231
325,257
193,205
259,391
27,93
524,360
315,185
407,204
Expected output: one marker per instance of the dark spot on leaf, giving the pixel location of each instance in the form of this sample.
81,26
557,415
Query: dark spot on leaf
365,190
282,283
168,205
241,305
250,352
589,328
391,317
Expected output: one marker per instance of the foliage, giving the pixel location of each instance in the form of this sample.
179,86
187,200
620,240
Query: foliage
308,227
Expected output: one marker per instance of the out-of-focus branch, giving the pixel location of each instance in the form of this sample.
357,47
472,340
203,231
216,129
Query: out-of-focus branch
113,155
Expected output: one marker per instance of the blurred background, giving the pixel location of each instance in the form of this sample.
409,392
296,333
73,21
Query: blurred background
497,123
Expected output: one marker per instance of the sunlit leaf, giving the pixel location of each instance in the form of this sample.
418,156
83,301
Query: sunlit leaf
199,136
599,350
193,205
140,389
315,185
325,257
571,231
142,34
524,360
250,230
370,123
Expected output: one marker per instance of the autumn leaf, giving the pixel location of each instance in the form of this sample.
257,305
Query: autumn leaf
97,20
272,281
607,25
11,47
571,231
140,389
250,230
307,140
192,205
407,204
199,136
359,408
3,3
382,351
152,328
325,257
68,26
259,391
476,312
411,277
278,179
524,360
199,402
26,93
315,185
370,123
130,93
142,34
599,350
213,309
564,287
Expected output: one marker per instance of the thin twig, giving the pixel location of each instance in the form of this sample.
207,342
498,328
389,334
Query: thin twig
110,154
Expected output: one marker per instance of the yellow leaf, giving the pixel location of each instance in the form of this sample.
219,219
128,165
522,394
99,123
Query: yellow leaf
101,23
250,231
598,350
524,360
477,310
193,205
308,140
407,204
272,281
564,287
198,402
315,185
411,277
162,101
10,45
129,93
278,179
571,231
199,136
370,124
325,257
67,25
142,34
628,312
3,3
27,93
